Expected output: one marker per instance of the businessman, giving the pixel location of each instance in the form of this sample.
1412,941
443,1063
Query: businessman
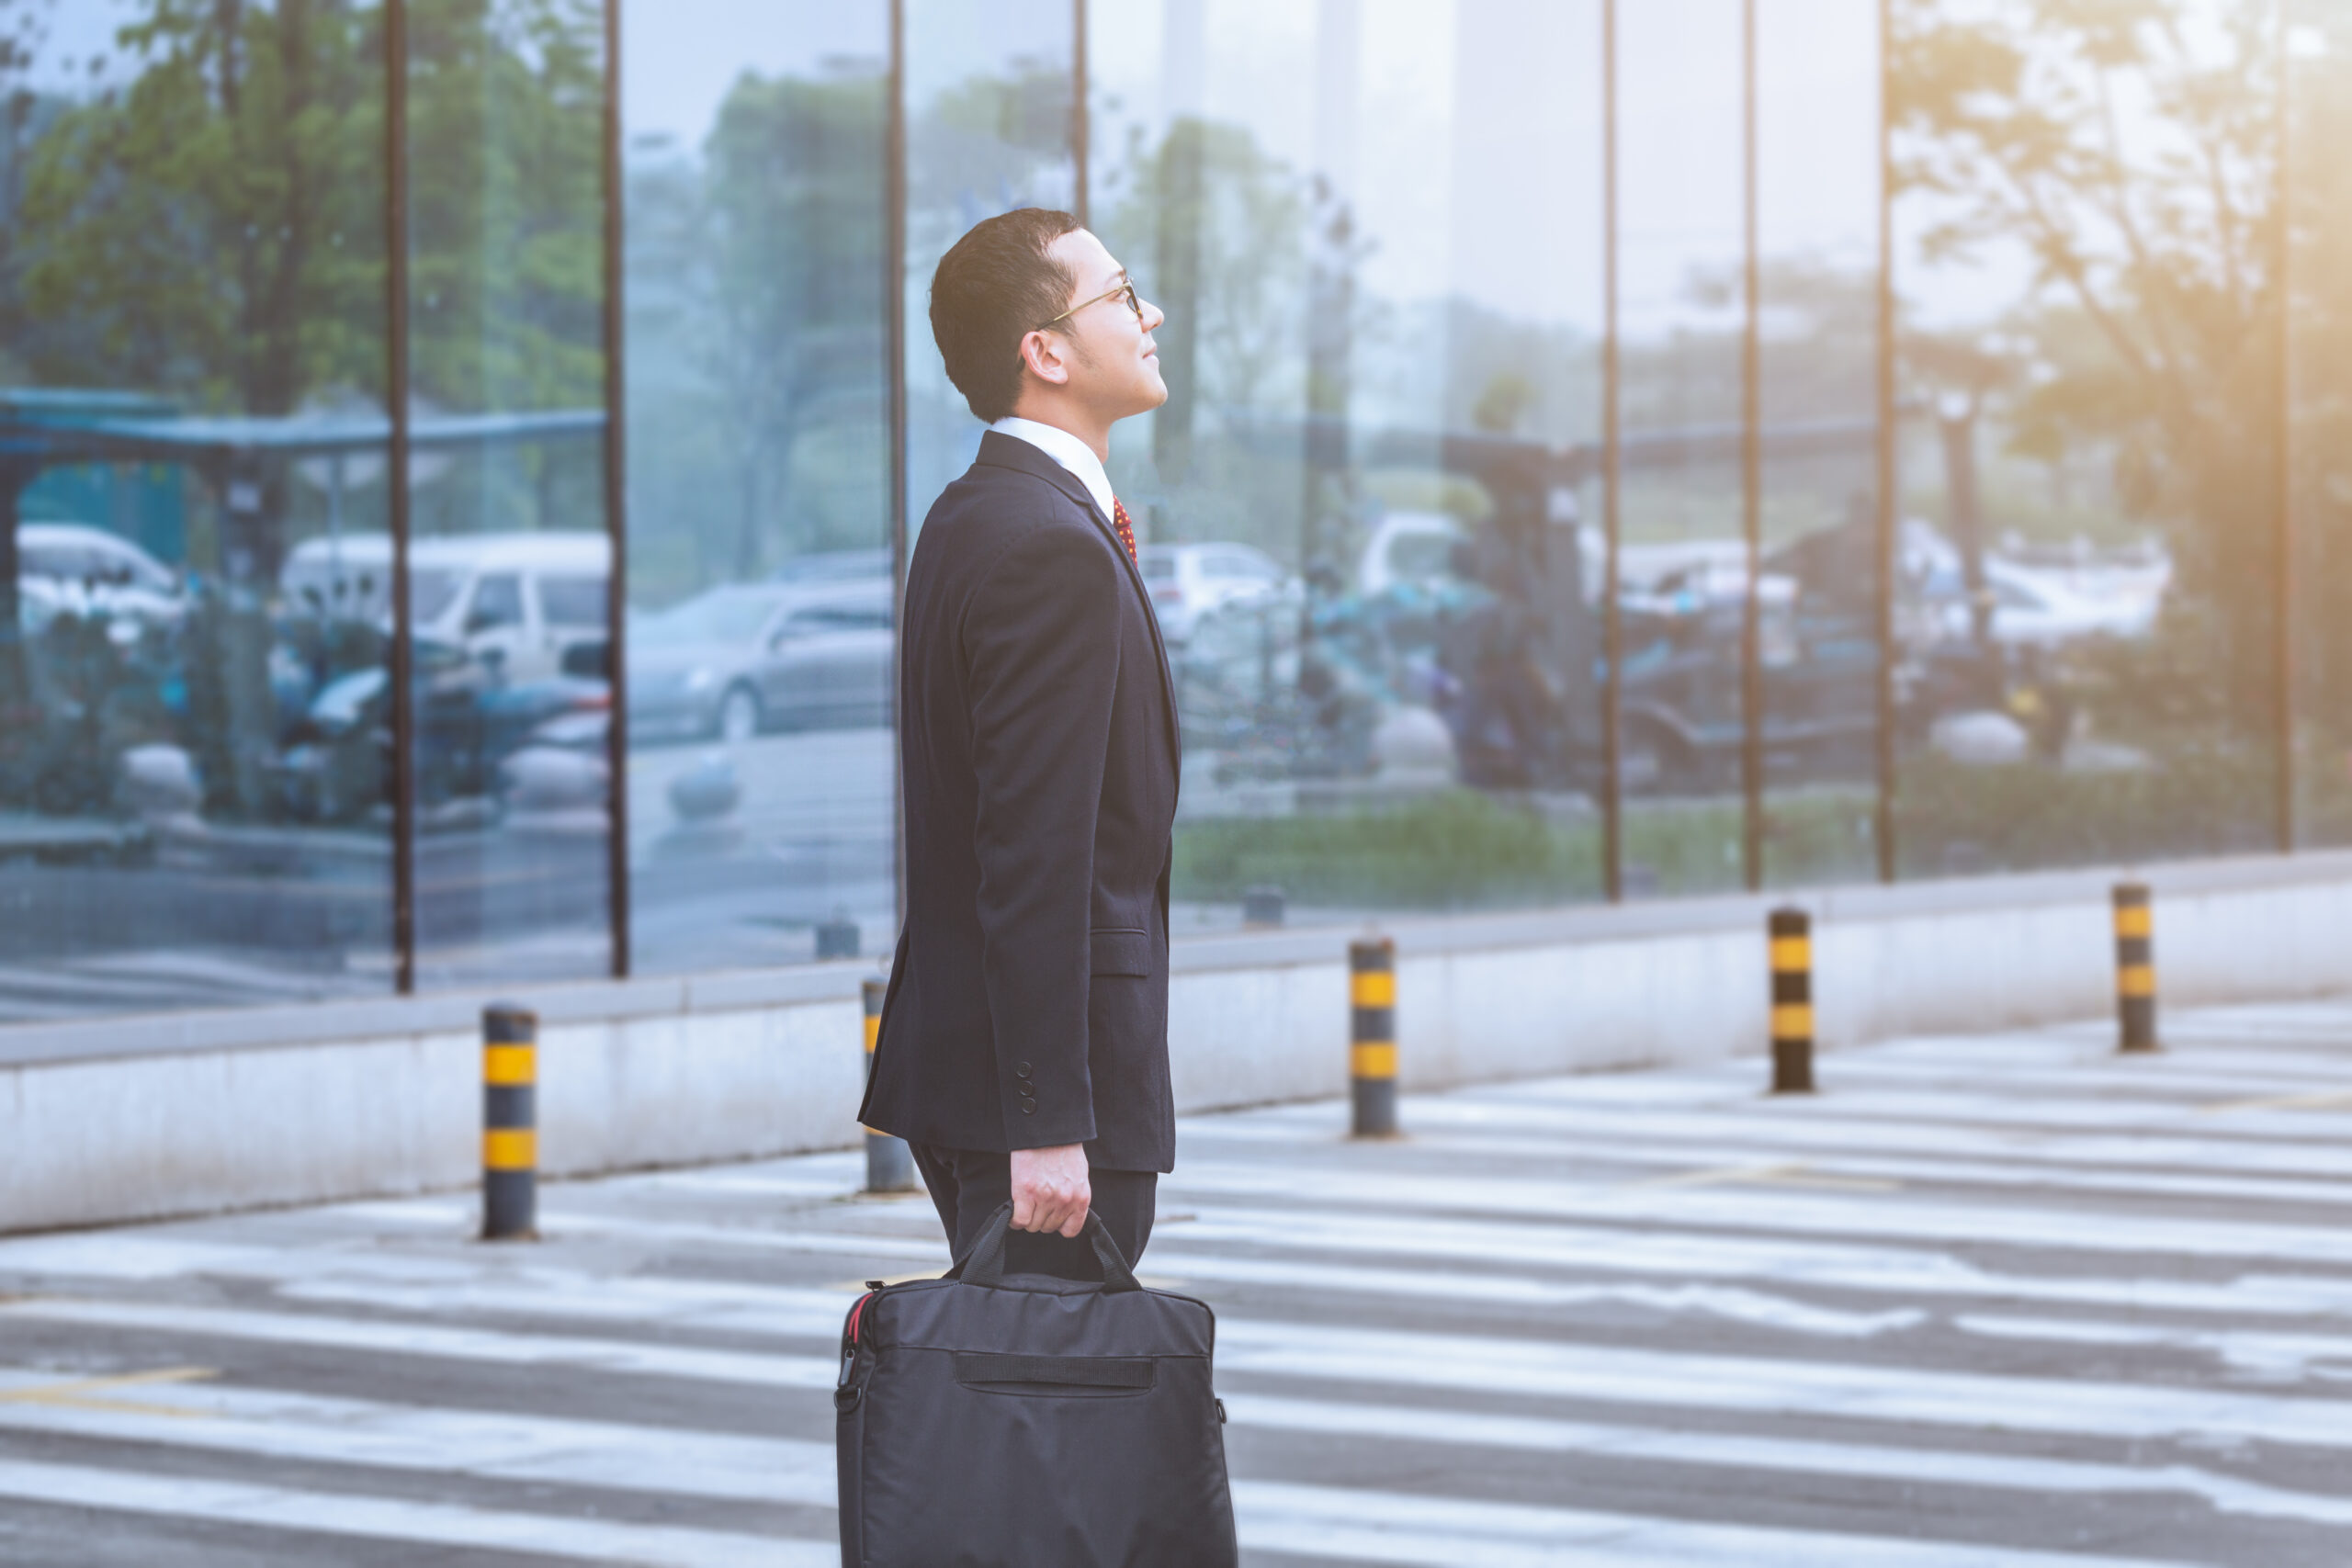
1024,1045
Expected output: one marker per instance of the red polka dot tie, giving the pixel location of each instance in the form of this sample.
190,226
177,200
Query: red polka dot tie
1126,529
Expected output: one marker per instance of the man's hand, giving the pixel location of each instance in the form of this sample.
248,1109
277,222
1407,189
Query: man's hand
1049,1188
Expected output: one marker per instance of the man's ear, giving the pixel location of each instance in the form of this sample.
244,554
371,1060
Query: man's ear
1044,356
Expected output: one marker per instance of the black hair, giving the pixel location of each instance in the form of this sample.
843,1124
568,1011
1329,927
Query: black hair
993,288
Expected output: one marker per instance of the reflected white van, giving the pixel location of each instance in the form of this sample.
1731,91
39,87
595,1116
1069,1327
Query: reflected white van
522,599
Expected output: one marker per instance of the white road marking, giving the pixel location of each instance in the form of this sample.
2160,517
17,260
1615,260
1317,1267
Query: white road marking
497,1446
438,1340
387,1519
1532,1368
1894,1215
1603,1128
1763,1162
1446,1532
1619,1374
1742,1451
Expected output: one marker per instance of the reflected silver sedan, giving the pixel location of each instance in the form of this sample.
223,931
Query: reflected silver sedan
734,662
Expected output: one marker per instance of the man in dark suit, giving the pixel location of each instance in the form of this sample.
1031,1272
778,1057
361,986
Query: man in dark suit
1024,1045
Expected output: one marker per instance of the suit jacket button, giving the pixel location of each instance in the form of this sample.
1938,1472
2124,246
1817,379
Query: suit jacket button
1028,1106
1022,1071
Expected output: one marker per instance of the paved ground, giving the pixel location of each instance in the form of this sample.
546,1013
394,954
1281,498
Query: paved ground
2004,1300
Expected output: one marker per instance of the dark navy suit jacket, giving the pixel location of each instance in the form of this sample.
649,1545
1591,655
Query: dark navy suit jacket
1037,735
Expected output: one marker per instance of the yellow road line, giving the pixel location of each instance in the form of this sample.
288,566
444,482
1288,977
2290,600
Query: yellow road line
1791,1174
2326,1099
84,1394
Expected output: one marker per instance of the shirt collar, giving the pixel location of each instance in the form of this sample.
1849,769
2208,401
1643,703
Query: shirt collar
1066,449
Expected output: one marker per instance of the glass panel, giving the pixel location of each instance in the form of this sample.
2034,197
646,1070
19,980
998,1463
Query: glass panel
1817,184
2320,270
1683,558
761,753
1360,501
506,117
989,123
2087,268
193,561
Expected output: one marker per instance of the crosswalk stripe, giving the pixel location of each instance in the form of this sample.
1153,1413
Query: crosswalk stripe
1512,1366
1909,1274
386,1518
1733,1451
1486,1144
1621,1374
1603,1127
1890,1216
387,1337
271,1424
1444,1532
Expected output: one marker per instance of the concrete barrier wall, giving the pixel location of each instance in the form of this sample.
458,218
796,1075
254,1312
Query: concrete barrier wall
136,1119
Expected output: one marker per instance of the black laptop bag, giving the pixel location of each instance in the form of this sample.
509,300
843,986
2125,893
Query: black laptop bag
1021,1421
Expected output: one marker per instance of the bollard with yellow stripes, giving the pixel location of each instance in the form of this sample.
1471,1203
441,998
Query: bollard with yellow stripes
1372,1051
510,1139
1791,933
2135,967
889,1168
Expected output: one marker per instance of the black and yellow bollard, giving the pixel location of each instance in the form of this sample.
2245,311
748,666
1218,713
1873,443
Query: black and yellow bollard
2135,967
889,1168
1372,1034
1791,933
510,1116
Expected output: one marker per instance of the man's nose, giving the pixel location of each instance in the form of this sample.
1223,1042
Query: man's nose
1152,316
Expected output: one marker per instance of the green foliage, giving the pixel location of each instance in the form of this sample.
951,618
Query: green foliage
1458,850
759,383
214,229
505,112
2201,800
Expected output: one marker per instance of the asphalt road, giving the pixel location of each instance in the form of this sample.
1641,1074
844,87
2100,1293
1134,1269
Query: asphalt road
2003,1300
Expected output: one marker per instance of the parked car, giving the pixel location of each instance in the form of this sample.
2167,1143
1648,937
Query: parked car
1188,581
522,601
738,659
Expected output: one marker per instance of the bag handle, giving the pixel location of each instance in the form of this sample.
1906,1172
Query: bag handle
985,1266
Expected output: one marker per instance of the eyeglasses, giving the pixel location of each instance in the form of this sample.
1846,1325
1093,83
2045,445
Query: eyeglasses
1134,303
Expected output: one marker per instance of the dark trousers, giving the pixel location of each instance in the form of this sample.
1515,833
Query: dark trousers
967,1186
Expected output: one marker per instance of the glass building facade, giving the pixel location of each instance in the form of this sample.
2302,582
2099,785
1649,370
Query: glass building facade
457,456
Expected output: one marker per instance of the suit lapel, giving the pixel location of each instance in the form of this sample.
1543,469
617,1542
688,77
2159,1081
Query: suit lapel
1003,451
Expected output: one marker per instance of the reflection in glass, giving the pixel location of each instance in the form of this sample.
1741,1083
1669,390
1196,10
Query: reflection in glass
2319,59
988,124
759,640
1683,556
1361,499
193,740
1817,207
2089,282
507,527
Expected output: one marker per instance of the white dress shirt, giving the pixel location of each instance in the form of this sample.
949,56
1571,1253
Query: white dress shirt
1066,449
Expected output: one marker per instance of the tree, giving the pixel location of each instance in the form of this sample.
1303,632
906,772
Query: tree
2126,152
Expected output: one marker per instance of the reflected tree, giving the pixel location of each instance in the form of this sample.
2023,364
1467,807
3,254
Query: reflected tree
2124,155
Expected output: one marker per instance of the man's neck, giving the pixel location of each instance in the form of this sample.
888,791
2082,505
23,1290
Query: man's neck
1096,436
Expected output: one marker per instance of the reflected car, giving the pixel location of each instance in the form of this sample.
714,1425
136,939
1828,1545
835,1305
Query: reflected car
523,601
738,660
1188,581
834,566
2038,607
72,568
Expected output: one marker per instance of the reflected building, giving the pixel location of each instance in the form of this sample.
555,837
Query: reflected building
456,456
